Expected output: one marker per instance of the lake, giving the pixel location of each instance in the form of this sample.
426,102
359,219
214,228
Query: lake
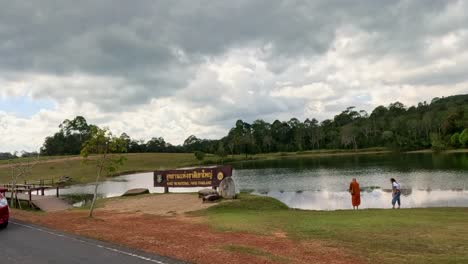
321,183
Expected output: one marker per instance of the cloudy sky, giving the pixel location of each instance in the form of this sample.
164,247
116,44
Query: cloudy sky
176,68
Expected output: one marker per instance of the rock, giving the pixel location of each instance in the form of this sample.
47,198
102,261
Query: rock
64,179
227,188
204,192
137,191
211,197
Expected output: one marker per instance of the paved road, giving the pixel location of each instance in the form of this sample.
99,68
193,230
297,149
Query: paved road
28,244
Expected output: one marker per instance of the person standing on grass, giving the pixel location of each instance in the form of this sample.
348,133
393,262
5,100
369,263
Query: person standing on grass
355,193
396,192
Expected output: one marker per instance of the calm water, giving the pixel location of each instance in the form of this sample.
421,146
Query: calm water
427,180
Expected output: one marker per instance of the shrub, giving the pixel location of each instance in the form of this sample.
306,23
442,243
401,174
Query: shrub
436,143
200,155
463,139
455,140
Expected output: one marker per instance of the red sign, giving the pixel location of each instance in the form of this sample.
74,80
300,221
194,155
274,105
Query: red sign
192,177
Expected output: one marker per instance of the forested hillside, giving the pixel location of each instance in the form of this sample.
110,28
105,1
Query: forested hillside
440,124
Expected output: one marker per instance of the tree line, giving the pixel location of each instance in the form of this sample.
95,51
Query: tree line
440,124
72,135
15,155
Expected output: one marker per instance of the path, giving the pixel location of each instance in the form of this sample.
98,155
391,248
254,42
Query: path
29,244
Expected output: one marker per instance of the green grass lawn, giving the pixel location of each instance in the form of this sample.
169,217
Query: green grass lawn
83,173
435,235
41,158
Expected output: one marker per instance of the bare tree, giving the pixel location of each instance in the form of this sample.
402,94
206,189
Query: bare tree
19,170
102,144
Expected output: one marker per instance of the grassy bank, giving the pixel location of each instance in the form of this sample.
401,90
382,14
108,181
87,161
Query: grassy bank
435,235
448,151
82,173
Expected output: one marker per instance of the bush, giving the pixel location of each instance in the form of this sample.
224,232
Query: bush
463,139
455,140
438,146
199,155
437,143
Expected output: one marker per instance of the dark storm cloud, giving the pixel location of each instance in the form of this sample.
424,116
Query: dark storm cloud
154,47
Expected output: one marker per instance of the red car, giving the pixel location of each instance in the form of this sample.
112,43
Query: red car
4,211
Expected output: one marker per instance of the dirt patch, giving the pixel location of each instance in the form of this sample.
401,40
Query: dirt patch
187,240
165,205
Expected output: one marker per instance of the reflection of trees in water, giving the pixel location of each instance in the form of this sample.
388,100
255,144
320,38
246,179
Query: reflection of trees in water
404,192
398,162
327,200
425,189
369,189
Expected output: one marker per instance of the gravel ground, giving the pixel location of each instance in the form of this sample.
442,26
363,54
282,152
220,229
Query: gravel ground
165,205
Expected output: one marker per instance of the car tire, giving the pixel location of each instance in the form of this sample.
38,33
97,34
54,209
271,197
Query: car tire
4,225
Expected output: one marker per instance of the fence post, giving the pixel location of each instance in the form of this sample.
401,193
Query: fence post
30,198
57,191
16,200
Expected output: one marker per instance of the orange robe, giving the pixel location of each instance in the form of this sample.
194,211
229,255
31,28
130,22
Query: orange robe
355,193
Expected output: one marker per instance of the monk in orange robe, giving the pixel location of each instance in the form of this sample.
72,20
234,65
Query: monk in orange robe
355,194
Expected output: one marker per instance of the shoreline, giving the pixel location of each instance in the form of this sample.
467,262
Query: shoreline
448,151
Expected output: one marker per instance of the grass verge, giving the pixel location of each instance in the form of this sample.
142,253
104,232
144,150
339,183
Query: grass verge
435,235
255,252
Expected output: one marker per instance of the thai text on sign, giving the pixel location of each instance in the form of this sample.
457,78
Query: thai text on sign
192,177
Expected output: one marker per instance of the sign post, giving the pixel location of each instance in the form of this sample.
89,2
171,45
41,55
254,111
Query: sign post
192,177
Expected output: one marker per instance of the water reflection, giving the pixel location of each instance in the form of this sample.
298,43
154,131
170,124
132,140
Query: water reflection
319,195
321,183
326,200
428,180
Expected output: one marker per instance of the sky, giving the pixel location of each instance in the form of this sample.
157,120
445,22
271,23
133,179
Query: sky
171,69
